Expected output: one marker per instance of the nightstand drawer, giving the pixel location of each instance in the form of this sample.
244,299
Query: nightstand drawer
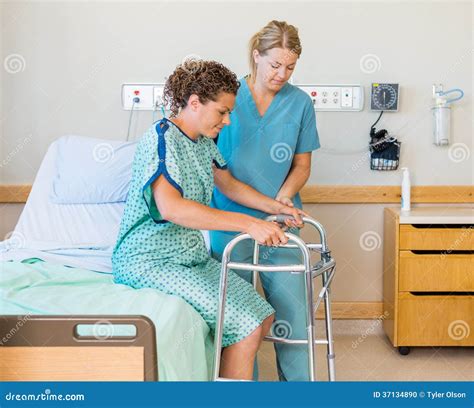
430,237
439,320
436,272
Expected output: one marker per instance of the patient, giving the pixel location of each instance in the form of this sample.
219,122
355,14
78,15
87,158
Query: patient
160,244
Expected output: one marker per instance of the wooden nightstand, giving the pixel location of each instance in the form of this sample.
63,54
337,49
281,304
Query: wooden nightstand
428,278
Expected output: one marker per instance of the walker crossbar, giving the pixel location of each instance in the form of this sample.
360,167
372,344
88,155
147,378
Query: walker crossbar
324,268
265,268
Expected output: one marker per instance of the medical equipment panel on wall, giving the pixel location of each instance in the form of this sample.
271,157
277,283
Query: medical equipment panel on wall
335,98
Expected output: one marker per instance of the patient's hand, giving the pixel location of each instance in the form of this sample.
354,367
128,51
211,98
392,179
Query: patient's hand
266,233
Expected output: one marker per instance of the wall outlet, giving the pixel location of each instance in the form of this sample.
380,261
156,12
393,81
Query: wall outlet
150,95
335,98
158,100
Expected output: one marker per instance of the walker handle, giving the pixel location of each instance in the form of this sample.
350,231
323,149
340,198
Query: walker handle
281,218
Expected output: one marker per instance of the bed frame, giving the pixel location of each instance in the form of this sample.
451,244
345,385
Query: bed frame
51,348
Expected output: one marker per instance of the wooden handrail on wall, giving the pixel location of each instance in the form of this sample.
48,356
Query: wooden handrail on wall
386,194
327,194
14,193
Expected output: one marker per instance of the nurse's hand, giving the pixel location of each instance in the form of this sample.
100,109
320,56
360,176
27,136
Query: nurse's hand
285,200
296,213
266,233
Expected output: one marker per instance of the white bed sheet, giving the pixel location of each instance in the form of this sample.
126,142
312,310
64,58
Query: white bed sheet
78,235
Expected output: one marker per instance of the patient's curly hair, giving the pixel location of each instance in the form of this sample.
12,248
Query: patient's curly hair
206,79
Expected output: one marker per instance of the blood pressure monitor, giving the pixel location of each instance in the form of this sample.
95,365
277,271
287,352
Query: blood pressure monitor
384,97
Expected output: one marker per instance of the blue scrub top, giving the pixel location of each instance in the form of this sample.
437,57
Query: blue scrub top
259,150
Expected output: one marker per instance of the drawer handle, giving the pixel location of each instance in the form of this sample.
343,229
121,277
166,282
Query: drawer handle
440,226
441,252
442,293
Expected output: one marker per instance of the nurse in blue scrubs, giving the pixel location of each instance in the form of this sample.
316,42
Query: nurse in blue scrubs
268,145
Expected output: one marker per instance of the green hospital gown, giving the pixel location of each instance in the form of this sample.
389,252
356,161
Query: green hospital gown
154,253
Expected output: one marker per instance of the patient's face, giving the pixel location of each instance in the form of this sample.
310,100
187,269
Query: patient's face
214,115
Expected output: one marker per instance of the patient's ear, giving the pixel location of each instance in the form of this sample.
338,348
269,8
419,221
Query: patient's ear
194,102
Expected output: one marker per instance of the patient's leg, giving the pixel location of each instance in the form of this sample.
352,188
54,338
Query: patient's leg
238,359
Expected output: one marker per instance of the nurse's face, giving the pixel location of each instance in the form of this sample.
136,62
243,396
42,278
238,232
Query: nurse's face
214,115
275,67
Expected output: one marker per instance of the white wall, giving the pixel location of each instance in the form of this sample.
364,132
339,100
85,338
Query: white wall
78,54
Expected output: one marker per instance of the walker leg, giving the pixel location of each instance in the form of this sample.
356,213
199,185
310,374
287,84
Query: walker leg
329,335
220,321
310,325
256,252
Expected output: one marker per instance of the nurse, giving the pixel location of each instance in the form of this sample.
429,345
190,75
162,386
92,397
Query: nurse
268,146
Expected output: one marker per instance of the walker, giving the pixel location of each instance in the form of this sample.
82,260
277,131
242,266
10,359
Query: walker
325,268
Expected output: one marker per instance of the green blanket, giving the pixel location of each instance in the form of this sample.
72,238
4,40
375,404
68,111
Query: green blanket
35,287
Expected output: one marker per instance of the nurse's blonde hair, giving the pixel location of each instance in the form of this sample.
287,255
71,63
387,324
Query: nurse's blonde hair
276,34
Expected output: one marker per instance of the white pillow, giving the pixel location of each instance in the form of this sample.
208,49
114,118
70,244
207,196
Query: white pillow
92,171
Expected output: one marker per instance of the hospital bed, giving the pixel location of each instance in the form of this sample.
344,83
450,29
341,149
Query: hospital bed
55,277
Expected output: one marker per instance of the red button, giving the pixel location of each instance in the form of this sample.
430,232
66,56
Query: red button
314,93
136,92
